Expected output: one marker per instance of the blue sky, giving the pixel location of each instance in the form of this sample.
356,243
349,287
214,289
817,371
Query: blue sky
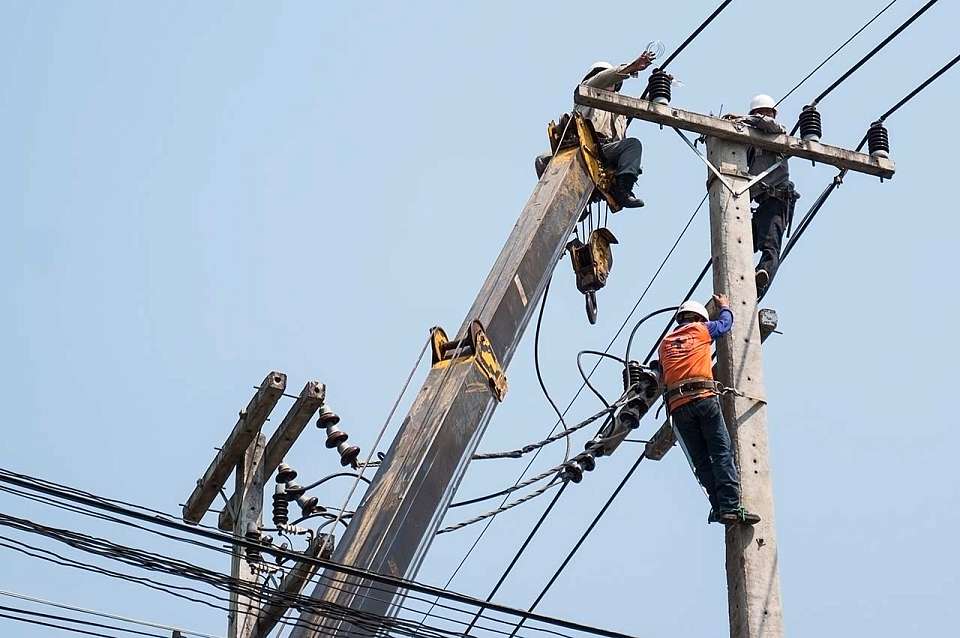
195,194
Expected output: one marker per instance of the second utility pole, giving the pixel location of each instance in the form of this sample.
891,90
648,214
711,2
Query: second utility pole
753,581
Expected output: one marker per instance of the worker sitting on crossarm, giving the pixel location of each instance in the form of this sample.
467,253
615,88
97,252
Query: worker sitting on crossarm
620,152
694,407
774,195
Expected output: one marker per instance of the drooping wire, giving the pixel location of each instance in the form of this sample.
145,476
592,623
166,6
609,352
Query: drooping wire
536,367
835,52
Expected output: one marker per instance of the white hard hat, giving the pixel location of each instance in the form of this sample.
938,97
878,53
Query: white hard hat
596,67
695,307
762,102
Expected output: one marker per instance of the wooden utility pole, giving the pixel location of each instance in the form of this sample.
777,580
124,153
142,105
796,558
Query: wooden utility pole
753,581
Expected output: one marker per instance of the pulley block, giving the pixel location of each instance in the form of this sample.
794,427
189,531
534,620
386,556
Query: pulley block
592,263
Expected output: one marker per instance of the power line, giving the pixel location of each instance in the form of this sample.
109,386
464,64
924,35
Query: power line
583,537
696,32
383,579
102,614
835,52
86,623
869,55
838,179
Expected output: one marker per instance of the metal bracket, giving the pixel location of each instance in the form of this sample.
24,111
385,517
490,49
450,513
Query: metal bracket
475,347
585,139
718,174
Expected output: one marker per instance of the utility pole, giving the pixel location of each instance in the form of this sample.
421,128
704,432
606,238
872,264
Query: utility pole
753,581
247,453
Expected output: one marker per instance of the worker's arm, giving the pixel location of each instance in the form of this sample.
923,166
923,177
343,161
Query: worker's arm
609,78
764,124
724,321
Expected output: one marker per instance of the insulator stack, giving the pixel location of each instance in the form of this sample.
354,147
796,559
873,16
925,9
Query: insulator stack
281,507
632,374
878,141
811,126
658,87
252,553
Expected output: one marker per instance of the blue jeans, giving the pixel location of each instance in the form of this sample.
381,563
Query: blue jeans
705,437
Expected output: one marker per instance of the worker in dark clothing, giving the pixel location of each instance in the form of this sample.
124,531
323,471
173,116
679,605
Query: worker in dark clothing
774,195
619,151
694,406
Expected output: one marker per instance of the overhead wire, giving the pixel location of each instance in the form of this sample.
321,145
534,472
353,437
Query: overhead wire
835,52
838,179
85,623
536,367
6,476
103,614
853,69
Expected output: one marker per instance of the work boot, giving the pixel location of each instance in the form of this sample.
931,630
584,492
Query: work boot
739,515
763,280
622,191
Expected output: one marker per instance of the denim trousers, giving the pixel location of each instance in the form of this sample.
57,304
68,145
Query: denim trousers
705,437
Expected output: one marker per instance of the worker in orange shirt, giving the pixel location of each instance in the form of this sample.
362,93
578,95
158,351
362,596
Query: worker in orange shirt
694,406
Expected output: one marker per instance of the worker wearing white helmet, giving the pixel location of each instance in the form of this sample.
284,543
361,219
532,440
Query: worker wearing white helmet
622,152
774,195
687,368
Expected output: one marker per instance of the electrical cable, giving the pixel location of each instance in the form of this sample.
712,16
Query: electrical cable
86,623
12,478
383,428
838,179
536,367
502,508
696,32
869,55
102,614
835,52
56,626
583,537
320,482
576,395
586,379
530,447
516,557
650,315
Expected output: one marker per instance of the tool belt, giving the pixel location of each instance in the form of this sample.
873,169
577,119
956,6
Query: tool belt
692,386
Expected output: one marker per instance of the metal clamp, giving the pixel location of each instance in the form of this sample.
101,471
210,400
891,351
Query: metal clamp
475,347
